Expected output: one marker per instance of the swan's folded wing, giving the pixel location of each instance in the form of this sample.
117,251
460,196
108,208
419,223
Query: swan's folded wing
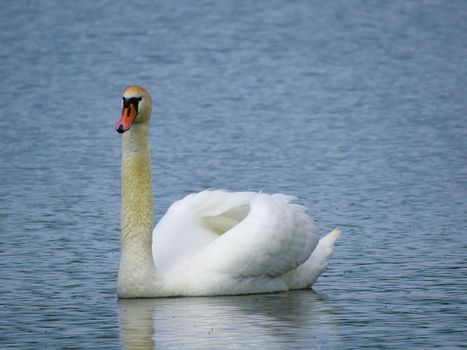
274,238
182,231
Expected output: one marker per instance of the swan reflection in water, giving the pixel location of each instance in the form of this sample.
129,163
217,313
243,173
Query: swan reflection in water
283,320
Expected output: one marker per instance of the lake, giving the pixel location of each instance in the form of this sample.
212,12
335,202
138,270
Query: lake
358,108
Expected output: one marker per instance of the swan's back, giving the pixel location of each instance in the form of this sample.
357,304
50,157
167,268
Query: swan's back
242,235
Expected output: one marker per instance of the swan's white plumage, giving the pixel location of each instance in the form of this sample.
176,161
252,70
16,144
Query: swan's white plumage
213,242
273,237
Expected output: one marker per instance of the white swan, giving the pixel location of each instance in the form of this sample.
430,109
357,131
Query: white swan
212,242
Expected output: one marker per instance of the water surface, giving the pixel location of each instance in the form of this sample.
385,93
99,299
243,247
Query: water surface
357,108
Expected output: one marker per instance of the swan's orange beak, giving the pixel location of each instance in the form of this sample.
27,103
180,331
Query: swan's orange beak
128,117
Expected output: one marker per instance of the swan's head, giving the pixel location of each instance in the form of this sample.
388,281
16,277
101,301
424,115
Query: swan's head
136,108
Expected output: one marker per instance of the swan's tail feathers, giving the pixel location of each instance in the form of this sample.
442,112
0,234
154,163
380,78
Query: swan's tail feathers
307,273
326,244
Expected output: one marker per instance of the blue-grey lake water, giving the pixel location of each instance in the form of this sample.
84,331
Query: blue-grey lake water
359,108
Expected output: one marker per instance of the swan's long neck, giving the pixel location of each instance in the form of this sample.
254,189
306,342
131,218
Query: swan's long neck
137,273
